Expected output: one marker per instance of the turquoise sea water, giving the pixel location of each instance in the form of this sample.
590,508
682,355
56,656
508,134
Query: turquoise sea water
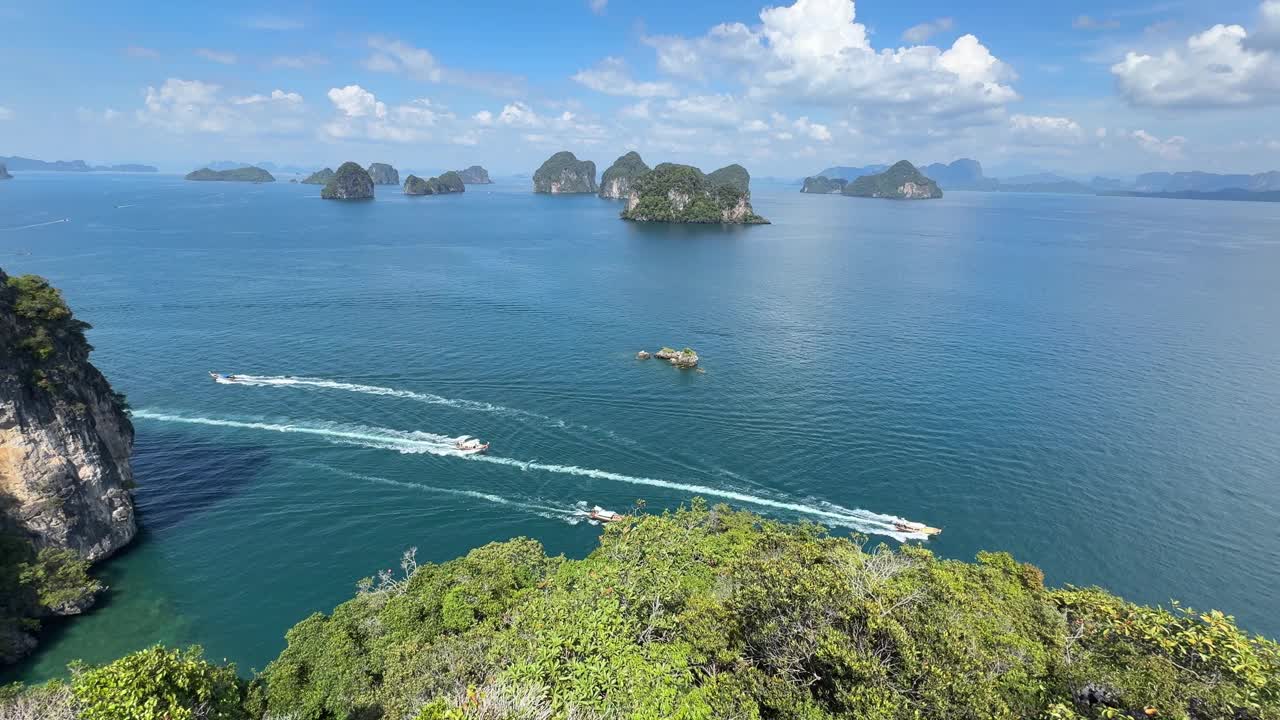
1089,383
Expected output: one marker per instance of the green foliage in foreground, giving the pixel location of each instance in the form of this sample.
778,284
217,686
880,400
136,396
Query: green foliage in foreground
34,584
711,613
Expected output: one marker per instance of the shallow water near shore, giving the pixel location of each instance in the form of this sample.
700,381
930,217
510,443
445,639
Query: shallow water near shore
1088,383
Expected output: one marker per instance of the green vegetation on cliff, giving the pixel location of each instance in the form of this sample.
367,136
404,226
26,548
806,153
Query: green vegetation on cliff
565,173
351,182
714,613
319,177
620,177
244,174
46,333
684,194
902,181
449,182
823,185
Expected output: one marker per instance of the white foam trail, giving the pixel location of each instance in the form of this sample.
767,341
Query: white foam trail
36,225
442,445
554,513
291,381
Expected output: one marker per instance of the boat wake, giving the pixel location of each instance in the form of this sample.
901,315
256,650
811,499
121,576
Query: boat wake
568,514
417,442
40,224
311,382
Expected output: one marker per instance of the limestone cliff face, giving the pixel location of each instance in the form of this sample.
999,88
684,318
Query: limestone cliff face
383,174
475,175
902,181
564,173
351,182
616,182
65,439
683,194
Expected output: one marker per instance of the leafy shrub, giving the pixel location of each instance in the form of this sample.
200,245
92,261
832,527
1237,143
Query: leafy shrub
160,684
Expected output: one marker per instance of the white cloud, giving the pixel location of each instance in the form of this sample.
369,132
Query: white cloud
754,126
5,113
1221,67
298,62
361,116
484,117
598,6
813,51
1045,130
812,129
637,111
144,53
468,138
396,56
184,106
718,110
917,34
275,96
1169,148
518,114
610,76
224,58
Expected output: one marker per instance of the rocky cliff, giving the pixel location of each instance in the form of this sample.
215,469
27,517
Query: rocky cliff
823,185
900,182
565,173
4,173
384,174
450,182
683,194
319,177
475,175
351,182
616,182
65,441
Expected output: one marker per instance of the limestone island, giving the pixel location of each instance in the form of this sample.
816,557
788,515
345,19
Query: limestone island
475,175
564,173
384,174
617,181
900,182
450,182
319,177
684,194
824,185
351,182
65,477
4,173
685,358
244,174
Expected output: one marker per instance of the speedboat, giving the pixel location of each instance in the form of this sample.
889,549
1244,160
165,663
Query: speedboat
470,445
599,514
908,526
220,378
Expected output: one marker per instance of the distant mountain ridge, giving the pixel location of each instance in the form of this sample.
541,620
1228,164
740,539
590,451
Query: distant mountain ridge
265,165
21,164
1196,181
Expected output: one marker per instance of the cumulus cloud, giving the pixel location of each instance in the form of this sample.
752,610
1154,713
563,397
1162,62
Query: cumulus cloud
1221,67
813,130
813,51
184,106
917,34
566,126
362,116
1045,130
610,76
1169,148
224,58
713,110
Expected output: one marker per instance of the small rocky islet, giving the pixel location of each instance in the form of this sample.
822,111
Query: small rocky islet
350,182
618,179
674,193
474,175
319,177
901,181
449,182
563,173
245,174
383,174
686,358
4,173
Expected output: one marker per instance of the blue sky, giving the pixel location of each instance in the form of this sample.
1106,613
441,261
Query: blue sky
1086,88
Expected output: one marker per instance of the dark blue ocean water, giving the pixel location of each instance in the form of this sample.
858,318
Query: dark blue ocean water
1089,383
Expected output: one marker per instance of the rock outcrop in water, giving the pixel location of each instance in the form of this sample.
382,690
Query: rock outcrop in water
319,177
618,179
685,358
244,174
4,173
564,173
475,175
683,194
351,182
450,182
384,174
902,181
65,442
823,185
